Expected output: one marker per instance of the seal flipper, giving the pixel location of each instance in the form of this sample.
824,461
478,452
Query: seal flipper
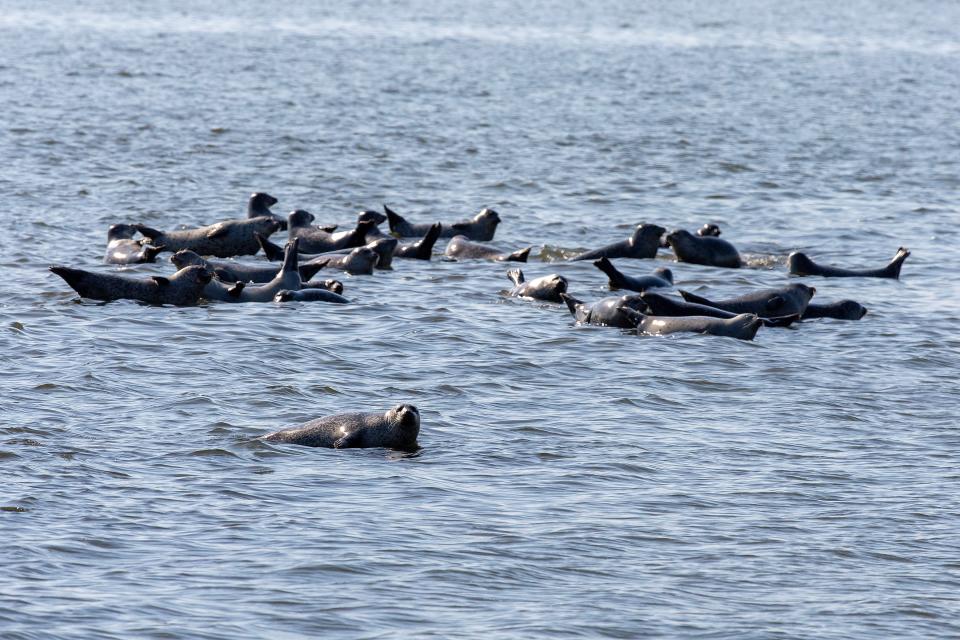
271,250
236,289
397,223
218,231
425,245
571,303
781,321
150,251
349,441
633,316
689,297
148,232
307,271
773,304
617,281
290,256
161,281
358,237
893,269
518,256
516,275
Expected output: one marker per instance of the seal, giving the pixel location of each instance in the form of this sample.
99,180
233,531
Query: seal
235,271
377,219
182,288
258,205
383,246
661,278
800,265
123,249
548,288
607,312
310,295
288,277
642,244
743,326
706,250
359,262
661,305
330,285
398,428
422,249
769,303
461,248
841,310
480,228
223,239
318,239
709,229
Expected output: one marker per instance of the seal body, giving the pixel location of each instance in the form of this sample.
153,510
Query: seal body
320,240
396,429
743,326
661,278
785,301
642,244
617,311
223,240
708,250
480,228
182,288
236,271
422,249
461,248
123,249
287,278
661,305
310,295
548,288
259,206
359,262
841,310
330,285
709,229
800,265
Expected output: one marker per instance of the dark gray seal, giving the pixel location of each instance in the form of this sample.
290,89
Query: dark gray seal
123,249
359,262
709,229
182,288
548,288
376,218
461,248
330,285
384,247
800,265
318,239
617,311
287,278
642,244
743,326
480,228
768,303
841,310
223,239
706,250
661,278
422,249
661,305
398,428
236,271
310,295
259,206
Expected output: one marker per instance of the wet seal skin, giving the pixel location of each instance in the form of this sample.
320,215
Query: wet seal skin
743,326
123,249
398,428
323,239
607,312
662,278
768,303
706,250
799,264
644,243
661,305
548,288
461,248
222,240
314,294
481,228
259,206
235,271
185,287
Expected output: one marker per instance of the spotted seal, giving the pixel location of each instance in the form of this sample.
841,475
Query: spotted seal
461,248
310,295
785,301
422,249
258,205
743,326
480,228
607,312
547,288
661,305
182,288
223,239
642,244
799,264
123,249
384,246
398,428
661,278
359,262
840,310
707,250
318,240
236,271
330,285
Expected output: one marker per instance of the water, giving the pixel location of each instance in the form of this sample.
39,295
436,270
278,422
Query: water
573,482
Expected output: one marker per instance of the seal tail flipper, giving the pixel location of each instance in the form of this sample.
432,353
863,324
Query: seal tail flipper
150,251
272,251
893,269
571,303
617,281
516,275
291,256
328,228
689,297
73,277
307,271
148,232
518,256
781,321
236,289
634,316
397,223
358,237
425,246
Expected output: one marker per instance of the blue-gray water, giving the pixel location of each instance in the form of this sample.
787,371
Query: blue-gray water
573,482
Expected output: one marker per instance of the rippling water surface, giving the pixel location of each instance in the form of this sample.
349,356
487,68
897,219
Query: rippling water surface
573,482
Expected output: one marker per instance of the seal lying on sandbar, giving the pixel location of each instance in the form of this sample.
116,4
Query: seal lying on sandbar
768,303
608,312
706,250
800,265
223,239
642,244
481,228
422,249
548,288
661,305
841,310
235,271
319,239
123,249
742,327
359,262
310,295
397,429
460,248
661,278
259,205
383,246
182,288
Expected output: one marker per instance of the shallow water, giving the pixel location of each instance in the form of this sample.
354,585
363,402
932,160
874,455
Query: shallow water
573,482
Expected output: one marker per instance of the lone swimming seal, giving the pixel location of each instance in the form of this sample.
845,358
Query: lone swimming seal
236,271
123,249
743,326
768,303
800,265
841,310
223,239
706,250
642,244
481,227
661,278
607,312
398,428
359,262
259,206
547,288
310,295
461,248
318,240
182,288
661,305
422,249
